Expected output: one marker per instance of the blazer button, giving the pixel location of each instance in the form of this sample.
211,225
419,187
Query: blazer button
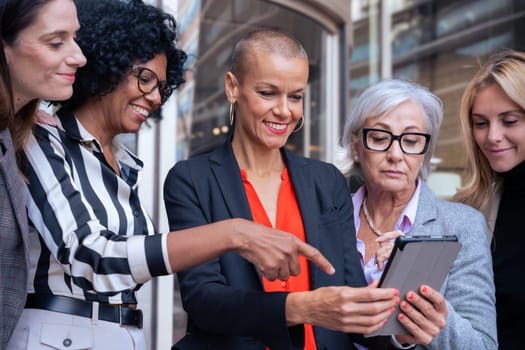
67,342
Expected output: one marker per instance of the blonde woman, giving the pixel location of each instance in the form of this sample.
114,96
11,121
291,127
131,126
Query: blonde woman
493,122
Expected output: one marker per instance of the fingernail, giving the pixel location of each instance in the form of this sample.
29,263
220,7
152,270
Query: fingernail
410,296
404,305
424,290
385,321
397,301
401,316
396,293
392,310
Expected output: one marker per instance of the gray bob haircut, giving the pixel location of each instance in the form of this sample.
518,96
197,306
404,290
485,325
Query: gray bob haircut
377,100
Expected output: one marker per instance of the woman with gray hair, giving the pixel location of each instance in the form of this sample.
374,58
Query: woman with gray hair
394,200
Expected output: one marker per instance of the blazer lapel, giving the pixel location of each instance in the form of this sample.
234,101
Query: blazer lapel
18,192
301,178
228,175
427,212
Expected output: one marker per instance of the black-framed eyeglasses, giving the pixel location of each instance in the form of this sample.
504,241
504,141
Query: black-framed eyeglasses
410,142
147,81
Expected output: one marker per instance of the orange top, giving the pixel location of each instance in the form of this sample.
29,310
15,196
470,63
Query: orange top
288,219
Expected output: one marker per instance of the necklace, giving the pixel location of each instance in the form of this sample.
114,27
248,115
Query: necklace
369,219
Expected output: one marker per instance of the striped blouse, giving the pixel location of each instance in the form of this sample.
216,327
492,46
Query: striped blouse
96,241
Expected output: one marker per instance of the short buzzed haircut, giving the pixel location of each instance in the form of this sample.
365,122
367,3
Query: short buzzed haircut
265,42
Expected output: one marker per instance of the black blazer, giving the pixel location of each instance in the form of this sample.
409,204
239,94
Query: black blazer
224,298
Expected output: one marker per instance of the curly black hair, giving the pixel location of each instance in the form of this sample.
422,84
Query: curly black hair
114,35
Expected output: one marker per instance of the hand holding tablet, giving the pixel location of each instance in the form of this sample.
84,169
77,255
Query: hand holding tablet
417,260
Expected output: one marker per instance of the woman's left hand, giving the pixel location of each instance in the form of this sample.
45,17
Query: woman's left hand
386,244
423,314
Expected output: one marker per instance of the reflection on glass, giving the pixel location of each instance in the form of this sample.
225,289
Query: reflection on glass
463,14
222,23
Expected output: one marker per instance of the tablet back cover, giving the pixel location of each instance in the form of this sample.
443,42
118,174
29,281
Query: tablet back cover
419,262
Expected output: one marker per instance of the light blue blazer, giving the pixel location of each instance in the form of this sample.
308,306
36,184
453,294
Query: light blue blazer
469,287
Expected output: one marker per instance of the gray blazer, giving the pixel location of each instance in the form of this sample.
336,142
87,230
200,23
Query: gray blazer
469,287
13,240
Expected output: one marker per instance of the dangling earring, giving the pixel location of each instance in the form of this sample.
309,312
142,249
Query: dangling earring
232,113
300,126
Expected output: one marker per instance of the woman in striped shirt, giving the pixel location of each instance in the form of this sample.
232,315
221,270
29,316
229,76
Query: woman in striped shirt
96,244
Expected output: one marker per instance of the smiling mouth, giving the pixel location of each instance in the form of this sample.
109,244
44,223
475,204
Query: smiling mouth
142,111
276,126
497,152
68,76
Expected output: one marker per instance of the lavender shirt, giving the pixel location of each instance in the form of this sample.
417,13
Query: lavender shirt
404,224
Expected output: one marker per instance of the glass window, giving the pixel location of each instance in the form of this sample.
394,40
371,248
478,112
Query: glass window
365,58
222,23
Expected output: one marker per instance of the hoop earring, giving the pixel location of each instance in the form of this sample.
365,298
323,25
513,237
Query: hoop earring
232,113
300,126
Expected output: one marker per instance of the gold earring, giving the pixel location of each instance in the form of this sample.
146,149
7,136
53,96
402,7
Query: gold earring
300,126
232,113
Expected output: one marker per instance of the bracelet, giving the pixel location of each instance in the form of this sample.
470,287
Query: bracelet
398,345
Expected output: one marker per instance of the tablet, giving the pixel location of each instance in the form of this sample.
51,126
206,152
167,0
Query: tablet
416,260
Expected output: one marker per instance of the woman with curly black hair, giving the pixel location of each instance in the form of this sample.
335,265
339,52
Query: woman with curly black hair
96,243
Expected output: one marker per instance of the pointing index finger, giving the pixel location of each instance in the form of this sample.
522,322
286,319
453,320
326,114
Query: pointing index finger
315,256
